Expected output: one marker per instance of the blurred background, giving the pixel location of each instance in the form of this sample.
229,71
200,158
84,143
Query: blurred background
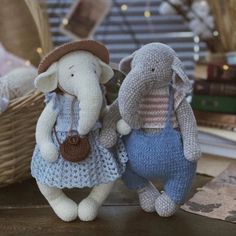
202,32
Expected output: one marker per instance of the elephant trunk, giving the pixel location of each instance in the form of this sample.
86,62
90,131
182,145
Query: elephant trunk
90,97
131,92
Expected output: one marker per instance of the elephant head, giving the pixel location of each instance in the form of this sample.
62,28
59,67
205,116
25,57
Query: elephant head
78,73
154,64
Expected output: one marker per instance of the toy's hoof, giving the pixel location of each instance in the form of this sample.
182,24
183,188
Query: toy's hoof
122,127
88,209
49,152
147,197
65,208
165,207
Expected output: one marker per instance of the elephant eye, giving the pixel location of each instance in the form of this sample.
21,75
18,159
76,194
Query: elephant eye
72,75
153,69
95,71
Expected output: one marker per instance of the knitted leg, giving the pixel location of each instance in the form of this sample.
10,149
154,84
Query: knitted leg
133,180
176,190
164,206
147,197
146,191
88,207
64,207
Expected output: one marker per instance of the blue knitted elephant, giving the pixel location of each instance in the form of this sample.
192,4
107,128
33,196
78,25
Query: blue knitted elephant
158,127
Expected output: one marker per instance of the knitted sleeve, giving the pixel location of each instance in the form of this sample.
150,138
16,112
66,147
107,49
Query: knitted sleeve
104,103
108,135
179,97
188,128
112,117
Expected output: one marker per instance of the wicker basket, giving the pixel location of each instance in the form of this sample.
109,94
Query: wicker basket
17,123
17,138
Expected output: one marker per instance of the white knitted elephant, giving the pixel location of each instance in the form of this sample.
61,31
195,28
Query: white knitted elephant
77,70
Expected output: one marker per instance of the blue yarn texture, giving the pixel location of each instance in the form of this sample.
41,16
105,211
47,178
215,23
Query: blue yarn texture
101,165
159,156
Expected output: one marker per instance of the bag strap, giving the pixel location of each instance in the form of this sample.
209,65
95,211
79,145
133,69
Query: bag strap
72,113
54,131
71,126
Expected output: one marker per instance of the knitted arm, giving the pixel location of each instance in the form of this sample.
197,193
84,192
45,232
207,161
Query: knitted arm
43,133
188,128
108,135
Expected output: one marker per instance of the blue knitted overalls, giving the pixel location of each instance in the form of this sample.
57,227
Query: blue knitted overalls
159,156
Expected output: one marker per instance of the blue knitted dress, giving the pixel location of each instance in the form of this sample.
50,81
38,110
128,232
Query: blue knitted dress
101,166
159,156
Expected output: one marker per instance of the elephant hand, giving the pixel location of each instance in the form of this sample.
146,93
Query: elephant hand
133,121
49,151
192,152
83,128
123,128
108,137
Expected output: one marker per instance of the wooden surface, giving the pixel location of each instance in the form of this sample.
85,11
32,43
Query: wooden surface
23,211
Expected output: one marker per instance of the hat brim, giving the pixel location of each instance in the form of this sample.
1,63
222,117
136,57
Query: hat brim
94,47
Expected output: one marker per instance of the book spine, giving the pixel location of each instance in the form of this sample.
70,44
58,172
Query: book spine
221,71
216,125
214,88
227,119
214,103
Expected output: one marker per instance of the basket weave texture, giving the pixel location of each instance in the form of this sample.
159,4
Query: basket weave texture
18,122
17,137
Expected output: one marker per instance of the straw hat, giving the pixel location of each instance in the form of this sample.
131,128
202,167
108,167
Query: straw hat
96,48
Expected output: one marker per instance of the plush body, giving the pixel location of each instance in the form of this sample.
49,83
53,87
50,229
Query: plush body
158,125
79,74
159,156
101,166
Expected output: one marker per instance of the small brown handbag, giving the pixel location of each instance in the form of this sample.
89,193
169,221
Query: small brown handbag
74,148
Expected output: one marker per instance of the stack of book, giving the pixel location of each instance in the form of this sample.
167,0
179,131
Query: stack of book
214,105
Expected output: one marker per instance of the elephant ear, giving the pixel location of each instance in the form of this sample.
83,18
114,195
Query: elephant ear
47,81
107,72
125,64
180,80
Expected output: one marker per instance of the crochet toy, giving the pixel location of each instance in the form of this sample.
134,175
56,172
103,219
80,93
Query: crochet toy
68,154
158,125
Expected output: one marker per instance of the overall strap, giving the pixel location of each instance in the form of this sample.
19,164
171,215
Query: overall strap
170,111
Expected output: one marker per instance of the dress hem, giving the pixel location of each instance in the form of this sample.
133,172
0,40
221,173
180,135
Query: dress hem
75,186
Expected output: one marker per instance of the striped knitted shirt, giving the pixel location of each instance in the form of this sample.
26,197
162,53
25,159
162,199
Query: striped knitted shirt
154,106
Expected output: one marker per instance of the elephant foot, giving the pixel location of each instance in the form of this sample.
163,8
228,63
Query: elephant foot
65,208
164,206
88,209
147,197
